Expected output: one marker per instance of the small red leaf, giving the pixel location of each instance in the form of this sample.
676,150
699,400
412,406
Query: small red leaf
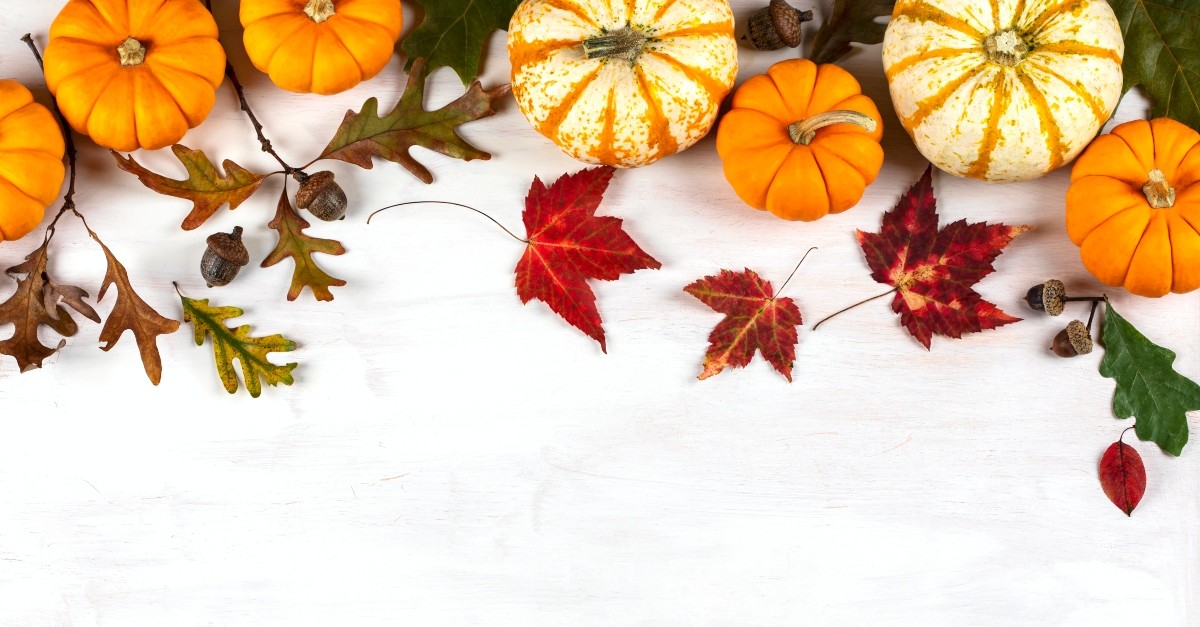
569,244
1123,476
754,321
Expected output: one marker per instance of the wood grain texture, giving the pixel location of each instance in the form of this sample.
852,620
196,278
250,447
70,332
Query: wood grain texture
451,457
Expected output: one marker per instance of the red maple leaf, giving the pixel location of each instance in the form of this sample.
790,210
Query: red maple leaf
1123,476
934,271
569,244
755,320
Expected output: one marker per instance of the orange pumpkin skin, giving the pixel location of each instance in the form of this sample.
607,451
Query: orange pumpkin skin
769,170
320,46
125,100
31,160
1123,238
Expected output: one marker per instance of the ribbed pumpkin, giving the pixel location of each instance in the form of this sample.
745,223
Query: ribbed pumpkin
1003,91
1133,207
320,46
801,141
134,73
622,83
31,160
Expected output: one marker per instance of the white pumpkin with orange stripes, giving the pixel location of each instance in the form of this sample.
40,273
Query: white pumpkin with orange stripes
1003,90
622,83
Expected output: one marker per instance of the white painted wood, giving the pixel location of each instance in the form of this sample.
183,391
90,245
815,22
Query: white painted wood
451,457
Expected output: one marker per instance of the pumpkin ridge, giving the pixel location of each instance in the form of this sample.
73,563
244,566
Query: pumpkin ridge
920,57
113,76
709,84
345,17
147,76
662,10
536,53
794,90
1049,127
4,181
815,146
711,28
1075,47
936,101
996,25
660,126
1142,233
606,151
922,11
568,6
1039,22
1081,91
337,36
550,125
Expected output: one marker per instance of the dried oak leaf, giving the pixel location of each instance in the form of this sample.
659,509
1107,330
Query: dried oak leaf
755,320
55,294
1123,476
131,313
230,344
365,134
934,271
204,186
295,243
568,244
850,21
26,310
454,33
1161,55
1147,385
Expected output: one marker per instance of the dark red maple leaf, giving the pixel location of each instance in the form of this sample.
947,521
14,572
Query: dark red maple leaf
755,320
1123,476
934,271
568,244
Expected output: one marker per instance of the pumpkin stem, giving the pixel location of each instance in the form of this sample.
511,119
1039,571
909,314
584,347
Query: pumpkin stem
804,131
319,10
132,52
626,44
1158,192
1005,47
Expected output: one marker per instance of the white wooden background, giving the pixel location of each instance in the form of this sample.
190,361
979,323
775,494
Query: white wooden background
448,456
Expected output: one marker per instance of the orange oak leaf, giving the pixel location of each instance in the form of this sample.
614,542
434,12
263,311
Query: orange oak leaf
934,270
131,313
367,134
26,310
755,320
295,243
1123,476
568,244
205,187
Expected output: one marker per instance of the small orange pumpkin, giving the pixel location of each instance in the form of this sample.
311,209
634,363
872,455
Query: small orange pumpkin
801,141
134,73
31,160
1133,207
320,46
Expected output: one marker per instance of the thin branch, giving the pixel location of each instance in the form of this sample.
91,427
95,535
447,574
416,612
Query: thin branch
453,204
258,127
68,139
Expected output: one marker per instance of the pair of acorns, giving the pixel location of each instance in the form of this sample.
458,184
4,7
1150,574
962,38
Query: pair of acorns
226,254
1051,297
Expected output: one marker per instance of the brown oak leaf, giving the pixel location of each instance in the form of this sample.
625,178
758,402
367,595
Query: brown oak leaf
131,313
205,187
366,134
934,270
295,243
54,294
26,310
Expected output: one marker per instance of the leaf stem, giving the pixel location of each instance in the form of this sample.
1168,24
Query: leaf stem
68,139
454,204
794,270
861,302
1122,438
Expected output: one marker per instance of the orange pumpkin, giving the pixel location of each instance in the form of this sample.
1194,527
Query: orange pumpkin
1133,207
31,160
801,141
134,73
320,46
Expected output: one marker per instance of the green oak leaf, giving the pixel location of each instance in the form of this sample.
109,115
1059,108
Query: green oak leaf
1147,386
1161,55
230,344
455,31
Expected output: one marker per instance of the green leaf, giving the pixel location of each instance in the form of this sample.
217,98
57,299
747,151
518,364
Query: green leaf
230,344
365,134
295,243
1147,386
1162,55
204,186
455,31
850,21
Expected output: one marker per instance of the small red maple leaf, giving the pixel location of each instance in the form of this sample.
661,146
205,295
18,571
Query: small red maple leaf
755,320
568,244
934,271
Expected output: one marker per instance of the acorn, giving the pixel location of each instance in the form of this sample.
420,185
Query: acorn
321,195
777,26
1048,297
226,254
1074,340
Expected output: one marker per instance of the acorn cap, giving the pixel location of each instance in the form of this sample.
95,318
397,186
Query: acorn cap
787,22
1053,293
229,246
311,186
1080,336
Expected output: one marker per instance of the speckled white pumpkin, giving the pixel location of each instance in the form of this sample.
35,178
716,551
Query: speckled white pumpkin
622,83
1003,90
